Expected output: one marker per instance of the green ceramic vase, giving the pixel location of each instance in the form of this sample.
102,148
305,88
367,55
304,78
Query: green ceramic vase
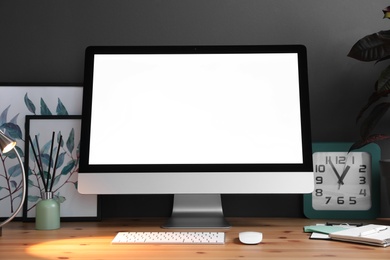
47,213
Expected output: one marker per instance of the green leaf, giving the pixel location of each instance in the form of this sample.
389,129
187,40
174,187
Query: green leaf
368,140
59,138
78,151
61,110
30,172
29,104
31,198
60,160
13,130
46,147
12,155
70,141
30,183
372,119
372,100
15,170
57,180
13,184
372,47
44,109
68,167
45,159
59,199
383,83
14,120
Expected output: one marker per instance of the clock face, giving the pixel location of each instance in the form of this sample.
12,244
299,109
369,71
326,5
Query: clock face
342,181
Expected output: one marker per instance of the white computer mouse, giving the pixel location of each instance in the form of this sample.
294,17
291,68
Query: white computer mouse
250,237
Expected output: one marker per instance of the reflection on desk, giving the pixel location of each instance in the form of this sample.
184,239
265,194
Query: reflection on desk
283,239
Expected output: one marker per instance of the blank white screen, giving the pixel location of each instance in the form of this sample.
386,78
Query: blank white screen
196,109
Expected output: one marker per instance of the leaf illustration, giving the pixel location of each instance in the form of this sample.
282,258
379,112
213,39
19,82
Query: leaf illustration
12,155
30,172
15,170
45,159
59,199
13,184
58,139
70,141
13,130
14,120
56,180
78,151
3,116
68,167
61,159
44,109
61,110
29,104
46,147
30,183
31,198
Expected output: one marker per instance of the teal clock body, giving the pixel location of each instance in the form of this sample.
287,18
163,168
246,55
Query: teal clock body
347,184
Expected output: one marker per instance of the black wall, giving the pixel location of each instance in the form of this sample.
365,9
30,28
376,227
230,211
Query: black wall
44,41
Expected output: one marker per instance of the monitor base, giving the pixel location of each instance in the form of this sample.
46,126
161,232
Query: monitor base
197,211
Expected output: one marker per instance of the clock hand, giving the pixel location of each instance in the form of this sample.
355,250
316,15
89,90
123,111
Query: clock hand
335,171
341,182
344,173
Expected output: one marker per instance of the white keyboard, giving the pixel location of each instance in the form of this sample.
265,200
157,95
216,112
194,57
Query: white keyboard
169,238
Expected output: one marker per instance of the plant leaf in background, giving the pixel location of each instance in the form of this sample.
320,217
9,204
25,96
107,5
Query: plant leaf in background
373,118
373,47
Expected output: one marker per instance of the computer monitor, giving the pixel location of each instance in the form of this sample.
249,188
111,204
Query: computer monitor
196,122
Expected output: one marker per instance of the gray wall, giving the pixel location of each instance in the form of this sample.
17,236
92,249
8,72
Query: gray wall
44,41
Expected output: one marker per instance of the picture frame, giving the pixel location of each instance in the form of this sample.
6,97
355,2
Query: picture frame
16,101
39,145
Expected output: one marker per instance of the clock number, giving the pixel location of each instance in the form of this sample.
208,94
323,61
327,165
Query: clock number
352,200
320,168
363,192
341,200
362,180
319,180
340,159
319,192
363,168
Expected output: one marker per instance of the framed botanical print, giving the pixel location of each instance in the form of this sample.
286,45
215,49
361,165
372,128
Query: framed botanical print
16,102
53,149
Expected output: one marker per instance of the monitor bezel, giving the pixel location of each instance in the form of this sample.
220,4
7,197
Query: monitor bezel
300,50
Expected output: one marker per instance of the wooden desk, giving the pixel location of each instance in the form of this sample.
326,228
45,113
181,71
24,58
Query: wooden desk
283,239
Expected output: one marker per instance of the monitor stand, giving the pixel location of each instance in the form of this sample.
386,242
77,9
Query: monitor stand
197,211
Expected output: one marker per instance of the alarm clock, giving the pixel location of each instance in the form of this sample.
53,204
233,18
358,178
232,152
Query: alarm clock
346,183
